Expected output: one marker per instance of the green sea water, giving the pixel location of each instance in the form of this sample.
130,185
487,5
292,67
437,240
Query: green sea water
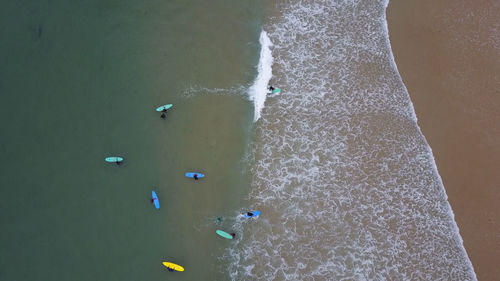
79,81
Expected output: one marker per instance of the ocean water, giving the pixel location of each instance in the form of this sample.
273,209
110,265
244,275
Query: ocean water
80,81
345,180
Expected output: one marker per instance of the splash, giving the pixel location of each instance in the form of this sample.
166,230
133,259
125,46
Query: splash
258,91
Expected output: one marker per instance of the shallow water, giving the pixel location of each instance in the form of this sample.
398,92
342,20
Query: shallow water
344,178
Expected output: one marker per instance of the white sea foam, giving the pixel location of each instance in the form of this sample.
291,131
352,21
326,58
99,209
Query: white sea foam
344,178
258,91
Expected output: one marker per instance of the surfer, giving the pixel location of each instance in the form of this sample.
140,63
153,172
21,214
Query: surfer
195,176
233,234
249,214
270,88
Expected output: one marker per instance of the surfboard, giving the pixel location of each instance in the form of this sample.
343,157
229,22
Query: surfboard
155,200
274,92
173,266
114,159
254,214
224,234
191,175
164,107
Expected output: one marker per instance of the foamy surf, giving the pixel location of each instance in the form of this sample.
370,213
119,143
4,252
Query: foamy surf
258,91
343,176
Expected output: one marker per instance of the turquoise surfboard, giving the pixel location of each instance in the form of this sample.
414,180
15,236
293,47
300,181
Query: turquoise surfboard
275,91
164,107
114,159
155,200
224,234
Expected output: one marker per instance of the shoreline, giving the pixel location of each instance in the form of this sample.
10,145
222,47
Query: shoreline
445,53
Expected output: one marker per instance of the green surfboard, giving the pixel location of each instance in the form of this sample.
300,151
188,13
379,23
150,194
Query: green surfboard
114,159
274,92
224,234
164,107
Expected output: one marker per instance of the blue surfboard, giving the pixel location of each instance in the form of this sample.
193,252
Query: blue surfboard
191,175
155,200
251,214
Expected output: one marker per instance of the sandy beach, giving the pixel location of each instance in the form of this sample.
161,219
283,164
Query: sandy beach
447,53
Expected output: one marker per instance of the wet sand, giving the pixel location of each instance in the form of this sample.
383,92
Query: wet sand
447,53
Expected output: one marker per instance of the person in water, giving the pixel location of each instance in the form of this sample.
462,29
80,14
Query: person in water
195,176
163,115
233,234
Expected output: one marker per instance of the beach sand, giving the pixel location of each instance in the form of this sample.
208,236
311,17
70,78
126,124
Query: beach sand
447,53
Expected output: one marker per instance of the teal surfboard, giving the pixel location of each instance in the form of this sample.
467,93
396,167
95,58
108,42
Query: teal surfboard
274,92
224,234
164,107
114,159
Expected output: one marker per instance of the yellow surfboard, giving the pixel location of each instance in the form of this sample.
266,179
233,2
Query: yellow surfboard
173,266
